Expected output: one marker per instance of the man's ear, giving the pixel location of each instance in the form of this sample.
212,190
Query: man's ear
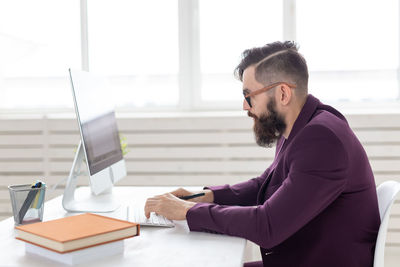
285,94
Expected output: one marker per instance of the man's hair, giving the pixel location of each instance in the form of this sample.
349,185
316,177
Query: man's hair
276,62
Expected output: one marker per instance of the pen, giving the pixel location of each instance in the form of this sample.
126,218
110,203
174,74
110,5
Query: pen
192,196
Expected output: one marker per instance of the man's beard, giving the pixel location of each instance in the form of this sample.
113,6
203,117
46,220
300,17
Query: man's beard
268,127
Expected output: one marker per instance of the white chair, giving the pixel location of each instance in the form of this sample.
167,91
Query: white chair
387,192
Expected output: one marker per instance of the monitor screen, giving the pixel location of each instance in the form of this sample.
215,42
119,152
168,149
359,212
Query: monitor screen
94,108
101,140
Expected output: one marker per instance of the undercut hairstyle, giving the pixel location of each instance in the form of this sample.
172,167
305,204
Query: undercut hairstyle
276,62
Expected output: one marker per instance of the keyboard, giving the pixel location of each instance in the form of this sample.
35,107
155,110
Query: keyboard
136,214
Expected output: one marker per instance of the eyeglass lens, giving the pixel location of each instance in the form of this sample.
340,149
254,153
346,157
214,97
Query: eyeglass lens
247,99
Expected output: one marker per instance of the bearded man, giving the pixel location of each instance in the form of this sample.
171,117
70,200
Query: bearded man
316,204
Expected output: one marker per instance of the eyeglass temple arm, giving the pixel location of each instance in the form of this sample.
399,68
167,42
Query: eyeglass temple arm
256,92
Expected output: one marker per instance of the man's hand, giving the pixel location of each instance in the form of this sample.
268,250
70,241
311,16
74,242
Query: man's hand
169,206
207,198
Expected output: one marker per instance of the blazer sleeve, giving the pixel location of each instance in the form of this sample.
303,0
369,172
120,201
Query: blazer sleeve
242,194
317,163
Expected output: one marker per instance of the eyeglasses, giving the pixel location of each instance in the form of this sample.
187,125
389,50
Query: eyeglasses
266,88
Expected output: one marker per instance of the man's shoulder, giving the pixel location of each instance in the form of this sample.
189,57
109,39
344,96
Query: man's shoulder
323,125
327,127
326,121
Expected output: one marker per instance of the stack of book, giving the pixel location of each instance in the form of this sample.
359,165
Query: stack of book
77,239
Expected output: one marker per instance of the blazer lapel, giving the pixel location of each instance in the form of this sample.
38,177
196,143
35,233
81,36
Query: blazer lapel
304,117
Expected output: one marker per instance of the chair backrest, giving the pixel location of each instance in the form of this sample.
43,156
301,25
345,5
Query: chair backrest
386,192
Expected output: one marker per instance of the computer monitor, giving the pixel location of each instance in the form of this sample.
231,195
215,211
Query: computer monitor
99,145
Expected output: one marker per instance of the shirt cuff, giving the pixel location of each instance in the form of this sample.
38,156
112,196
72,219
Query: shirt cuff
221,192
198,218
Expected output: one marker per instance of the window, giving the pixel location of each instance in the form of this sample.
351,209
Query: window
180,54
135,43
39,41
351,48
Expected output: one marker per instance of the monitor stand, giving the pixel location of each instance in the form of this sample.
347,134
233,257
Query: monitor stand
86,200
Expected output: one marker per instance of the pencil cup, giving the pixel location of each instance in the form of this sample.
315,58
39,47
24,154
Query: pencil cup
27,203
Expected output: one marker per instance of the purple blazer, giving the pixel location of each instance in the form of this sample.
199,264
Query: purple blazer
315,205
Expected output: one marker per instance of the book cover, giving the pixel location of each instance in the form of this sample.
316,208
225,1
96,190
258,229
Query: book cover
76,232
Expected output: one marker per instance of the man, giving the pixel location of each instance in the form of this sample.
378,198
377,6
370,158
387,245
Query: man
316,204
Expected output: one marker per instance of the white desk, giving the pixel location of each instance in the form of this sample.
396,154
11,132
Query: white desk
154,247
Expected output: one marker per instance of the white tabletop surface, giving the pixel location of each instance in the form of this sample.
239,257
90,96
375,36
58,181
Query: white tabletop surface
154,247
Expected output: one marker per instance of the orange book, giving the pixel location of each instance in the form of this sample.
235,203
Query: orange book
76,232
